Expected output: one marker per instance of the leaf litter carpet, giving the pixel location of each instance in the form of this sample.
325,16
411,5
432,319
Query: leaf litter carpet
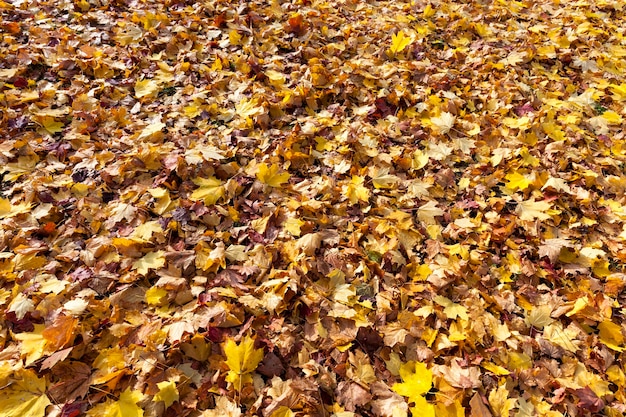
312,208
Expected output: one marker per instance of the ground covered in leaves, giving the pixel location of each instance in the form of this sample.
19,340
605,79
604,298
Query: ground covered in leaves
312,208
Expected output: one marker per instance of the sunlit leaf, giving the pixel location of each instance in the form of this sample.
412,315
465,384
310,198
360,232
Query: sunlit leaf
23,394
151,260
531,210
270,175
399,41
126,406
210,191
168,393
242,359
145,88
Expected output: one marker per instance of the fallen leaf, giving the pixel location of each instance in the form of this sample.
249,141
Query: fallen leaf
242,359
399,41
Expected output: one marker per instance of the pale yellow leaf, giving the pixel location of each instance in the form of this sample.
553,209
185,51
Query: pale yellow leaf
210,191
151,260
444,122
531,210
500,402
144,88
427,212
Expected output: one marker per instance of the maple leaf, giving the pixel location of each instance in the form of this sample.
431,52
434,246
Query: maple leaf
151,260
50,125
460,377
155,295
242,359
23,393
152,129
444,122
500,402
521,123
611,335
355,191
210,191
144,88
539,317
168,393
382,179
269,175
451,310
399,41
33,344
126,406
59,332
21,305
517,181
531,210
9,210
427,212
551,248
223,408
417,380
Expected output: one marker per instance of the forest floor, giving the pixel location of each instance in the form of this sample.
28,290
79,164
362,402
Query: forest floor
312,208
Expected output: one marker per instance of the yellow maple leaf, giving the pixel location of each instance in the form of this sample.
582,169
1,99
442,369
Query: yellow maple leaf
23,394
269,175
442,409
417,380
427,212
249,108
382,179
611,335
612,117
619,91
234,37
144,88
522,123
517,181
33,344
284,411
144,232
293,225
531,210
168,393
242,359
211,190
154,295
9,210
356,191
126,406
14,170
500,402
444,122
450,309
50,125
539,317
151,260
152,129
399,41
496,369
